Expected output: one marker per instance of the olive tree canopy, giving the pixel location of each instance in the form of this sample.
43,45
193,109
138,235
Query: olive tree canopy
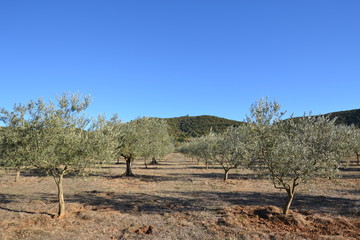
142,138
56,138
14,139
296,150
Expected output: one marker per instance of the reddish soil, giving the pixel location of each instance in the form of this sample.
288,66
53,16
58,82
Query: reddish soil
178,199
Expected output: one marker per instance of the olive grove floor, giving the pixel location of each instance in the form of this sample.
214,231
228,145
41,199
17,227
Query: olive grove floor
178,199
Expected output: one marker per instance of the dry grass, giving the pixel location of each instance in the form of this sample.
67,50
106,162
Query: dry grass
178,199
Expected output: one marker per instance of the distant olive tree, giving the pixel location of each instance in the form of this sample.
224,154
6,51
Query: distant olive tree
14,139
231,150
198,148
142,138
295,150
157,141
355,144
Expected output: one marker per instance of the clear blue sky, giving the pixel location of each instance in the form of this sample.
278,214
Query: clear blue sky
173,58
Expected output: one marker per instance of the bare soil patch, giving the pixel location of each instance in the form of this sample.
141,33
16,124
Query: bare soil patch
178,199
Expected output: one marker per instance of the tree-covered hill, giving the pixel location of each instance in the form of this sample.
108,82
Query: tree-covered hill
346,117
183,128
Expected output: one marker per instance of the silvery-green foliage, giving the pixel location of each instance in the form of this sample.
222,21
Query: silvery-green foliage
232,148
263,124
155,139
198,148
264,112
143,137
102,138
306,148
355,143
14,138
296,150
63,139
129,139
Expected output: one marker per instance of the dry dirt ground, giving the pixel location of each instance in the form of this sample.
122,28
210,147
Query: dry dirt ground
178,199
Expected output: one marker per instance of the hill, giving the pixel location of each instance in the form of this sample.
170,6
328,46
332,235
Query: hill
350,117
183,128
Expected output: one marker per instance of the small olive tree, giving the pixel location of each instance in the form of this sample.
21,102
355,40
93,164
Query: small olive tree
65,141
231,150
198,148
295,150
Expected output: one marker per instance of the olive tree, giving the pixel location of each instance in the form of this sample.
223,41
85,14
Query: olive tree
231,149
14,139
65,141
156,140
295,150
142,138
355,144
198,148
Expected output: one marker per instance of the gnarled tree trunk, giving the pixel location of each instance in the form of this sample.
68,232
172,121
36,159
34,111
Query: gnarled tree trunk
59,183
154,161
290,191
129,162
288,201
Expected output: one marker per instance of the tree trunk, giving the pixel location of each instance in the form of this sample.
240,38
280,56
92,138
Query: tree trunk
145,164
17,176
226,174
358,158
288,201
128,167
59,184
118,161
154,161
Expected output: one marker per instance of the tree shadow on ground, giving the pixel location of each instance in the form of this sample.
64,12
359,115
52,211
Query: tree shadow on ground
200,167
28,212
17,198
232,176
9,198
147,178
350,176
140,203
349,169
154,178
136,203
